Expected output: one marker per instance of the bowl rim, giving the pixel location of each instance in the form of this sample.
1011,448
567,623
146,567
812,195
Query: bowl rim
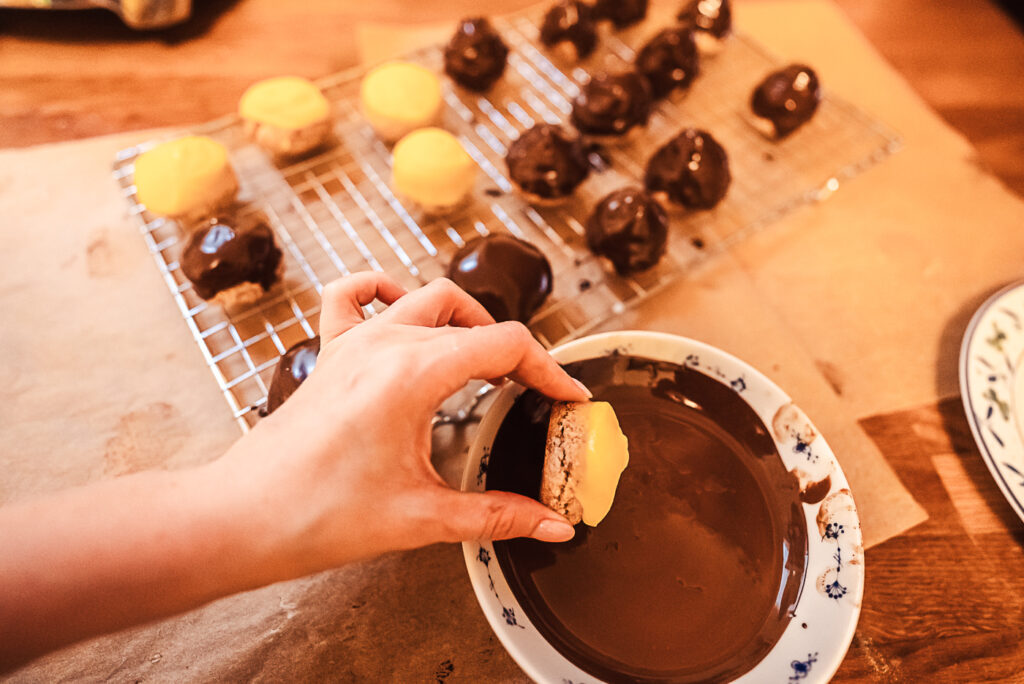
833,582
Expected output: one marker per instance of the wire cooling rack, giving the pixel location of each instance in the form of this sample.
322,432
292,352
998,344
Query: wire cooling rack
335,213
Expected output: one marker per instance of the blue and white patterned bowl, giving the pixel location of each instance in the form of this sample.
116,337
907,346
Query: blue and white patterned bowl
816,639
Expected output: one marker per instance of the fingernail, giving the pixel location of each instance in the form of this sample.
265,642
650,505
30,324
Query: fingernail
583,388
553,531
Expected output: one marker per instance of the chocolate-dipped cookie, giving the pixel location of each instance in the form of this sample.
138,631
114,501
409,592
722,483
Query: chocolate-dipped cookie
611,104
630,229
476,55
786,99
692,169
669,60
570,24
232,260
711,19
547,163
294,367
509,276
622,13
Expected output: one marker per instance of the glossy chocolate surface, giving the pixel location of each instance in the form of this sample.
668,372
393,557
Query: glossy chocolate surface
572,22
476,55
630,228
611,104
509,276
692,169
231,251
693,574
713,17
294,367
547,161
669,60
622,13
788,98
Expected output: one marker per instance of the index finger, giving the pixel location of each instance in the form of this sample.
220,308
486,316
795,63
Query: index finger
494,351
438,303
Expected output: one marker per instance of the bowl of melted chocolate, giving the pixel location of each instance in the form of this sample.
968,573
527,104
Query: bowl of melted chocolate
732,551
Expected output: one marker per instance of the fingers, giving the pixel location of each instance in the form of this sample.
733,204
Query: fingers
495,351
440,302
344,299
498,515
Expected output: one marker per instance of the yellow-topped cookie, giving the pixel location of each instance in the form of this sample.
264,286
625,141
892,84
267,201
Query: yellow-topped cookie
432,169
185,178
289,102
399,97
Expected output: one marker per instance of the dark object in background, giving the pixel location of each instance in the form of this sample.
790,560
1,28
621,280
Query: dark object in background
630,229
713,17
142,15
669,60
611,104
692,169
509,276
622,13
570,22
547,162
476,55
292,370
786,99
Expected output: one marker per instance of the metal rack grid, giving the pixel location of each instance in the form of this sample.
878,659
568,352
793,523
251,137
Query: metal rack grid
334,213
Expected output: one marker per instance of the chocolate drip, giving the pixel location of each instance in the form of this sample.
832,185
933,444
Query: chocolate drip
509,276
547,161
229,252
713,17
622,13
669,60
692,169
570,22
694,573
476,55
788,98
630,228
294,367
612,104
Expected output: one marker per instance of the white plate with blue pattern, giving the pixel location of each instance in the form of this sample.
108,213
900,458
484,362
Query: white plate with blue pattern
825,617
992,388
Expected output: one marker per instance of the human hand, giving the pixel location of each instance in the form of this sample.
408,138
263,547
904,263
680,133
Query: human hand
342,470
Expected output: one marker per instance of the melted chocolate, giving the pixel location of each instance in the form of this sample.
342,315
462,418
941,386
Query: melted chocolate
694,573
509,276
476,55
294,367
547,161
622,13
669,60
788,98
229,252
630,228
612,104
570,22
692,169
713,17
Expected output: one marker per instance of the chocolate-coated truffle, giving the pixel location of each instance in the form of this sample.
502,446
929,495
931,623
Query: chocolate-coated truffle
692,169
547,162
669,60
713,17
476,55
787,98
294,367
612,104
509,276
570,22
234,259
622,13
630,228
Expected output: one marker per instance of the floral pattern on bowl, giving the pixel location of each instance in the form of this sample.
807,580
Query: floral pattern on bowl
819,634
992,388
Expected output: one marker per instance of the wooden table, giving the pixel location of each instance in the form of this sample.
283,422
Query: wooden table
944,600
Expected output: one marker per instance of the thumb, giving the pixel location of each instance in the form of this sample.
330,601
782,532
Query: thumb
500,515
